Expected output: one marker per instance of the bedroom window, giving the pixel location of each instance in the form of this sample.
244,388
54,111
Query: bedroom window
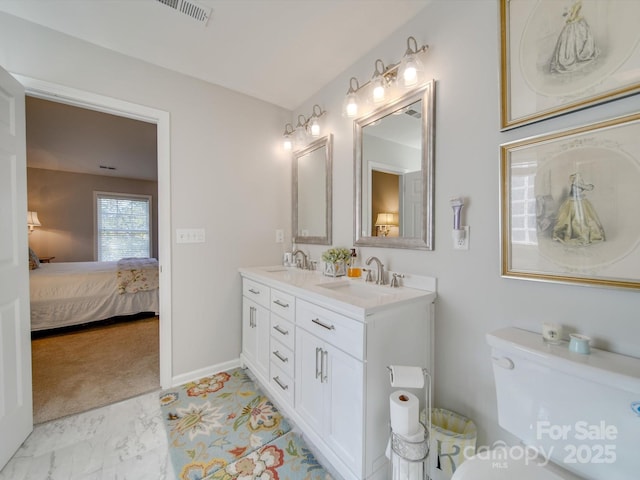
123,226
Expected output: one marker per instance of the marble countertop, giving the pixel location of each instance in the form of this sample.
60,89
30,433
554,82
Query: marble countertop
350,296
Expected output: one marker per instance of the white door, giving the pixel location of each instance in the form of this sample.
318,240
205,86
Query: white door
16,411
411,199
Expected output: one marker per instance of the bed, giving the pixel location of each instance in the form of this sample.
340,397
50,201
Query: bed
75,293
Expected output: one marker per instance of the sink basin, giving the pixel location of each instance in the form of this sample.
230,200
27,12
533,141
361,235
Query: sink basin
358,290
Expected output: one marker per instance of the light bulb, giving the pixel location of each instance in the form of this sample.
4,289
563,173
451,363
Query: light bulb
411,70
378,89
314,127
287,144
350,108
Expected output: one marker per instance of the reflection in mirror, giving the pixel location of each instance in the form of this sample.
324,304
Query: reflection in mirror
393,155
312,193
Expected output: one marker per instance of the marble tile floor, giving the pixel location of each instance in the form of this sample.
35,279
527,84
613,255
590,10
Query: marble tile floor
122,441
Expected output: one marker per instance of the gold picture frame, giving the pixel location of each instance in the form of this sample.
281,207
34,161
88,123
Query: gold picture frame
543,75
569,205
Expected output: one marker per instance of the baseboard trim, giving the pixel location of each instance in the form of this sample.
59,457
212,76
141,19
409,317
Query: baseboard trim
204,372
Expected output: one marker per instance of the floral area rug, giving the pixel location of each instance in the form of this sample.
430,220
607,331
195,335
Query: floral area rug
224,427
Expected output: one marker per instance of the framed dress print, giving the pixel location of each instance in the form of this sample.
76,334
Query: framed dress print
559,56
570,205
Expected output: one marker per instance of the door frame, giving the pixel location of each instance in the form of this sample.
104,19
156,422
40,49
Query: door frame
93,101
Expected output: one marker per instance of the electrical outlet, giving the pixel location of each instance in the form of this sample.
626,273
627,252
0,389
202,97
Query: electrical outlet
279,236
461,242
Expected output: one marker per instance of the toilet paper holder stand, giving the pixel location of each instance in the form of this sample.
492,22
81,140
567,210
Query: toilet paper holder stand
413,452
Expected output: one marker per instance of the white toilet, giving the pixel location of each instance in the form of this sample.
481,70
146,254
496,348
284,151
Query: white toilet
582,412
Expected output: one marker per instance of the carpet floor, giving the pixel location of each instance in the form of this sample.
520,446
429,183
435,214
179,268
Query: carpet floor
79,371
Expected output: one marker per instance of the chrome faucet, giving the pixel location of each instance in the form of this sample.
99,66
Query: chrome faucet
305,259
380,280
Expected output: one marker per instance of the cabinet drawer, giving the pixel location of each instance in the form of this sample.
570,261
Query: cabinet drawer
283,331
340,331
282,357
284,304
282,383
257,292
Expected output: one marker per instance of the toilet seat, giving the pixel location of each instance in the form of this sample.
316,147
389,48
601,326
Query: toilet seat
506,464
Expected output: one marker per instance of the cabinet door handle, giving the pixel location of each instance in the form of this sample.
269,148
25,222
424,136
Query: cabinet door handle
281,330
280,384
325,363
318,363
279,303
255,292
281,357
322,324
252,317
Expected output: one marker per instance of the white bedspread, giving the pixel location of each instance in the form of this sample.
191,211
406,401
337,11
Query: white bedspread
73,293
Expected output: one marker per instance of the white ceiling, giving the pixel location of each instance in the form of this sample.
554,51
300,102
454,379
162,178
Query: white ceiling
280,51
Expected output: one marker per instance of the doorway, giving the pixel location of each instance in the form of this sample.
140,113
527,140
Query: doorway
92,101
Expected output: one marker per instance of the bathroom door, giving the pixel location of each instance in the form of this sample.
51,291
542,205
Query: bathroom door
16,411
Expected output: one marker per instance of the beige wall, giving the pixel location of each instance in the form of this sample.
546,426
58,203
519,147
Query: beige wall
65,205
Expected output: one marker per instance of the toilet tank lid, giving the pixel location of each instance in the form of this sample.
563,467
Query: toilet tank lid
607,368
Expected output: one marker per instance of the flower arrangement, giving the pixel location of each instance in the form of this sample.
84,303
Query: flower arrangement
335,261
335,255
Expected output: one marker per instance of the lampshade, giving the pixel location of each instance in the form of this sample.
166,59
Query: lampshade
32,219
411,70
350,104
386,219
287,140
314,127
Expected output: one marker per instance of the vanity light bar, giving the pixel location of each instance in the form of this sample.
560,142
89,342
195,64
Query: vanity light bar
407,71
304,127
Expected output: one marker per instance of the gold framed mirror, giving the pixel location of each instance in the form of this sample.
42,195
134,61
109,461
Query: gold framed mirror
394,173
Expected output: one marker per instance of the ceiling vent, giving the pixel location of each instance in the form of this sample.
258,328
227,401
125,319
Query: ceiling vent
189,8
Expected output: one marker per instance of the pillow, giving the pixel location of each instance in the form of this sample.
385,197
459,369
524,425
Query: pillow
34,261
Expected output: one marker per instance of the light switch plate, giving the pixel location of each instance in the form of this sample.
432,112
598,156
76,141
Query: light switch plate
190,235
279,236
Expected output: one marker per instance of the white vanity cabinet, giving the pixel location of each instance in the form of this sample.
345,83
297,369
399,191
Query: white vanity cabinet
327,360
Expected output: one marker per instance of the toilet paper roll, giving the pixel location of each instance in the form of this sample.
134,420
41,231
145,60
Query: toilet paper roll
406,377
403,410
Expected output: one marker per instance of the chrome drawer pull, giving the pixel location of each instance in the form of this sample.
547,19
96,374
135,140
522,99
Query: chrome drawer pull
322,324
318,366
255,292
280,384
282,358
279,303
325,361
252,317
281,330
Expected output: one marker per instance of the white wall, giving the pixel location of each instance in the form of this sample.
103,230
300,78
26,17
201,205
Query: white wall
472,297
228,176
